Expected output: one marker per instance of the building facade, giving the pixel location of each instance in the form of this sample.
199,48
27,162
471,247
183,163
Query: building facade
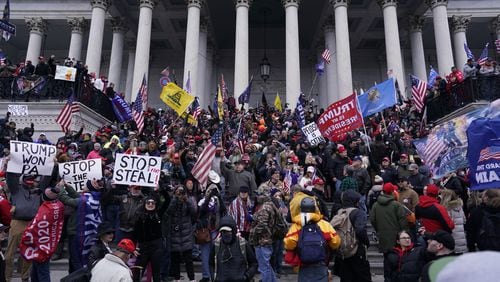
369,40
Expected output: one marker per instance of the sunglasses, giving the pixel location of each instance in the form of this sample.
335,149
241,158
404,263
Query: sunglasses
150,203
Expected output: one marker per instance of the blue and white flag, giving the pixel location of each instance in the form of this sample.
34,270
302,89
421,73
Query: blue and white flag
121,108
320,67
300,113
468,52
433,74
378,98
484,153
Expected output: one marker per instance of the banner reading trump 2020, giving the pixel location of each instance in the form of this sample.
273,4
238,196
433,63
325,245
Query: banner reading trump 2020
137,170
339,118
31,158
483,153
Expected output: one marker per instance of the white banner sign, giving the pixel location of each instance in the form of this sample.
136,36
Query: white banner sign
2,164
31,158
18,110
137,170
313,134
77,173
65,73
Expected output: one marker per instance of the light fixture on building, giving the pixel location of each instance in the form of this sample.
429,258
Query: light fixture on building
265,66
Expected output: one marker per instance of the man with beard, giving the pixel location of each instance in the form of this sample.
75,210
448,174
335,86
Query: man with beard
388,172
236,178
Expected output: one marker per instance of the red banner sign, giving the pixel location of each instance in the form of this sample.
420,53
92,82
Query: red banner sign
41,237
339,118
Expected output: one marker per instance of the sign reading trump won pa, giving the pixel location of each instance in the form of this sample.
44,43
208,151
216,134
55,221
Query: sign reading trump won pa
77,173
137,170
31,158
483,153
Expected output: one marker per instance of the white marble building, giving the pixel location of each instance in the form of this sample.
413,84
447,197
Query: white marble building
123,39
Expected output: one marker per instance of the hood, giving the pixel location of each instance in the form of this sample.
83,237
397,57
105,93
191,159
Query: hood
453,204
427,201
304,217
114,137
377,188
384,199
350,198
28,131
228,221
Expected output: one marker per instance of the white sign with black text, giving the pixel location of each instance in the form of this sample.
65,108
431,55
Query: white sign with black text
137,170
31,158
311,131
77,173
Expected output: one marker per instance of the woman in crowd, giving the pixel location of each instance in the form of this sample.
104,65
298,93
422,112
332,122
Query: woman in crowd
405,261
106,234
454,205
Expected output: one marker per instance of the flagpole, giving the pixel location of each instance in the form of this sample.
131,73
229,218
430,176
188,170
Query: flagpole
383,121
312,86
423,117
363,121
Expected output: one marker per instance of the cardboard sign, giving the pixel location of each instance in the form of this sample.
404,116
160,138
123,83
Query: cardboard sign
77,173
65,73
18,110
311,131
137,170
31,158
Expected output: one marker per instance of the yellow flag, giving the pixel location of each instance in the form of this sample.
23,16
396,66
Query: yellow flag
220,104
176,98
277,103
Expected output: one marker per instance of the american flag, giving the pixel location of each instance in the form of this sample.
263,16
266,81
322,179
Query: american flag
241,136
484,55
143,91
327,56
487,154
196,109
468,52
138,112
64,118
497,44
418,90
433,147
204,163
287,182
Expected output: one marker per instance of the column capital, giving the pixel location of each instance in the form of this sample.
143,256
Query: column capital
416,23
37,24
148,3
119,24
194,3
329,23
387,3
460,23
103,4
243,3
435,3
288,3
340,3
78,24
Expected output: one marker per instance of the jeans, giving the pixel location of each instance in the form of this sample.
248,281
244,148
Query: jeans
362,204
40,271
75,262
317,273
165,261
263,255
205,256
277,258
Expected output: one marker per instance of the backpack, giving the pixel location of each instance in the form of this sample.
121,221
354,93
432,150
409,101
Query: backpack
311,245
343,226
489,233
280,228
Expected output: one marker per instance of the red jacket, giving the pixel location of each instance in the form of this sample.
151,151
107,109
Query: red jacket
5,214
433,215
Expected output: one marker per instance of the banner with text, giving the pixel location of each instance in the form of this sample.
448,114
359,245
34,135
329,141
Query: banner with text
18,110
313,134
484,153
31,158
339,118
77,173
137,170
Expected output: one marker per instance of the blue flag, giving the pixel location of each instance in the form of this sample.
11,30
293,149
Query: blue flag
320,67
378,98
484,153
300,113
433,74
244,98
121,108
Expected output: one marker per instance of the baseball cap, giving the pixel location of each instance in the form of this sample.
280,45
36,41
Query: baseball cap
388,188
357,158
444,238
318,181
310,169
432,190
403,156
386,159
341,149
225,228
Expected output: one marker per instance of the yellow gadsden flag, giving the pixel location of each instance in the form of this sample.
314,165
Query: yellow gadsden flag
277,103
176,98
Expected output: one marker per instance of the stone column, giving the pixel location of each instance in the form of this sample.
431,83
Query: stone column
141,65
417,47
203,92
292,52
442,35
78,27
343,53
119,26
37,28
392,45
459,24
496,26
192,44
130,70
96,34
331,76
210,77
241,48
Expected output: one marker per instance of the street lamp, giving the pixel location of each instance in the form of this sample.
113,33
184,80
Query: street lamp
265,66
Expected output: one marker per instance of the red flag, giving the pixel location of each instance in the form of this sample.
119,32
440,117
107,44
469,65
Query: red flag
339,118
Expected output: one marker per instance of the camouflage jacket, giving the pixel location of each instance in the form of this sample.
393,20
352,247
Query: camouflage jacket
262,226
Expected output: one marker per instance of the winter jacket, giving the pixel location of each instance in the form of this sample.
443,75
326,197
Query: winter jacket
418,181
237,179
237,268
5,215
474,224
405,266
456,213
409,198
111,269
363,178
335,167
129,208
97,252
357,217
261,232
388,217
148,227
70,198
433,216
25,200
177,225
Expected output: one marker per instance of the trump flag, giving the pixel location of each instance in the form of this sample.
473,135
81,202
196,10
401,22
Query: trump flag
339,118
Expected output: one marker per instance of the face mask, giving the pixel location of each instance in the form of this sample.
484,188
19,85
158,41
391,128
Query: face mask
227,238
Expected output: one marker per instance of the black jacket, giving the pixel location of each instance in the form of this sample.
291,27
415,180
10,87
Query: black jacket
418,181
474,224
97,252
335,166
405,266
148,227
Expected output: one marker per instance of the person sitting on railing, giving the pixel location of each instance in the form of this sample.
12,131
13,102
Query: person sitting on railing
455,78
470,69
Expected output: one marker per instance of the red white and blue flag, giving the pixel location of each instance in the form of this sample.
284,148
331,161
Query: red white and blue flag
138,112
204,163
418,91
484,55
64,118
327,56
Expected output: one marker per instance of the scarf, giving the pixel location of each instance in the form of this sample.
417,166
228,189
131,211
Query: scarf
89,216
239,211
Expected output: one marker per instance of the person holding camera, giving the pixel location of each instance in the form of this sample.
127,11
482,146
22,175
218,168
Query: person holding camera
177,227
